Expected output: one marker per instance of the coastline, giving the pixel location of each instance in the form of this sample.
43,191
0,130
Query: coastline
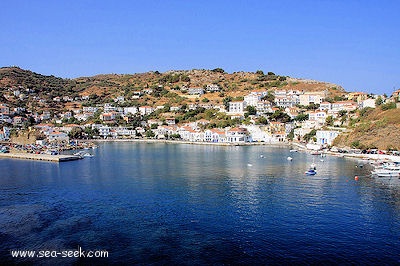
194,142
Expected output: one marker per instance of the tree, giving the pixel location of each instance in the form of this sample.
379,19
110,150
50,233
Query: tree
379,101
150,134
262,120
269,97
307,137
205,100
76,133
226,102
301,117
329,121
250,110
280,116
218,70
260,72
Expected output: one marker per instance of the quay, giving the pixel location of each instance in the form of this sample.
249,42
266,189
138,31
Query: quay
40,157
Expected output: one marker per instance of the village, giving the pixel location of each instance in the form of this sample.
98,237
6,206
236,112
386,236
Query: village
262,116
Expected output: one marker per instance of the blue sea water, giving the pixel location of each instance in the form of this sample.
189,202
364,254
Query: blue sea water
179,204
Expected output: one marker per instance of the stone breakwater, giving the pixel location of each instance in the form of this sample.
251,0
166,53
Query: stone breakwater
40,157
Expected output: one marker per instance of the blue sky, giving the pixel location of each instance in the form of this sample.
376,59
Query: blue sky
355,44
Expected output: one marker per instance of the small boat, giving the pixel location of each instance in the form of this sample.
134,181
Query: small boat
249,164
387,170
289,158
293,151
313,166
310,172
316,153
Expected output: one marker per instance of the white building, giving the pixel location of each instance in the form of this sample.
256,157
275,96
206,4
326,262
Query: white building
237,135
146,110
310,97
252,99
196,91
326,137
237,107
133,110
212,88
368,103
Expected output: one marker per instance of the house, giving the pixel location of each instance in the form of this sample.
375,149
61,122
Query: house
318,116
170,121
45,115
146,110
151,122
215,135
4,109
189,134
263,107
68,128
57,136
311,98
212,88
4,134
107,117
130,110
237,107
90,109
104,131
252,99
325,106
108,108
18,120
162,131
237,135
326,137
368,103
119,99
196,91
174,108
124,131
343,105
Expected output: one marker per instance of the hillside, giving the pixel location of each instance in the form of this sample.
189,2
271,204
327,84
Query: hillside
169,86
374,128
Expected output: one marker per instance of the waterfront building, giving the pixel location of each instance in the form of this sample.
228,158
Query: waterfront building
326,137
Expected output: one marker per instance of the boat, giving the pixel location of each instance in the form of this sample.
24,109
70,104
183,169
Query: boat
83,154
316,153
293,151
310,172
289,158
387,170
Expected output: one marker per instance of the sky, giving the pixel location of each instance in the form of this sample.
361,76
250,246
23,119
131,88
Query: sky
352,43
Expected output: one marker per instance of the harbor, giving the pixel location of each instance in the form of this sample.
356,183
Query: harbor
41,157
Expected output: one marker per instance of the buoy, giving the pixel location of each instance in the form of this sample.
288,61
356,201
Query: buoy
356,178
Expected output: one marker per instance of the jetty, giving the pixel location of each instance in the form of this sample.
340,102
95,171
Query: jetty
41,157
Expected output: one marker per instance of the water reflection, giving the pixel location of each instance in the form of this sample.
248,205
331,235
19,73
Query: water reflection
168,204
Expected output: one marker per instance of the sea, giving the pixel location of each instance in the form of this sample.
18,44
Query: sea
183,204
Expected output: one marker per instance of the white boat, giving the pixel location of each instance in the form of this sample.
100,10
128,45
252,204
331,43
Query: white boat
293,151
83,154
289,158
387,170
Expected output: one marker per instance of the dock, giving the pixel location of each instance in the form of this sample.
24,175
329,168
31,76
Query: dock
41,157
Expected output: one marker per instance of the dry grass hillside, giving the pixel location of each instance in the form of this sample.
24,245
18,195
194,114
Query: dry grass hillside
375,129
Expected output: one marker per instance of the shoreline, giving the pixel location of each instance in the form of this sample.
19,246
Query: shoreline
194,142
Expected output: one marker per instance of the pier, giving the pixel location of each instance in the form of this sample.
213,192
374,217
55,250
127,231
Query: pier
40,157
